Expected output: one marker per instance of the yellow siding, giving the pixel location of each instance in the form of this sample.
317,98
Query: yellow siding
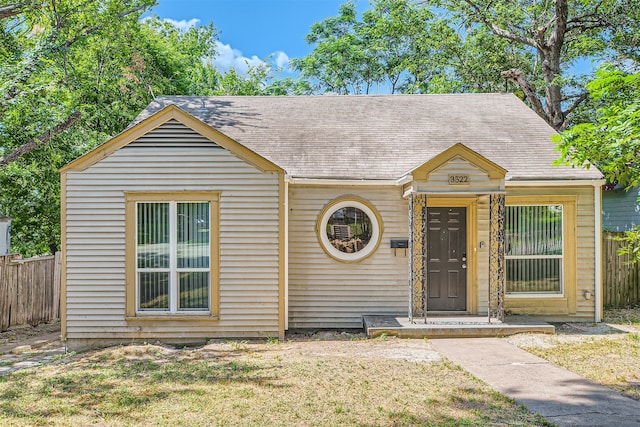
584,255
324,292
479,180
95,238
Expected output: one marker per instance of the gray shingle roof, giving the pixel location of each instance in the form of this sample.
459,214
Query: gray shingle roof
381,136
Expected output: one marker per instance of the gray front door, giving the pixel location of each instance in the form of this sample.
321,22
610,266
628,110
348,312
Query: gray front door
446,259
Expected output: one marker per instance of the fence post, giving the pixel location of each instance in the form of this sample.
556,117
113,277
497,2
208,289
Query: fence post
29,290
621,279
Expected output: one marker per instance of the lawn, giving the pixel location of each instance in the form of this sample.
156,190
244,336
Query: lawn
610,357
359,382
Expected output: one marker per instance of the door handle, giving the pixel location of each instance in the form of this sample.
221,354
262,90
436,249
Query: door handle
464,265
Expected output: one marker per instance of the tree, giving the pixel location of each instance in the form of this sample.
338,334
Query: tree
467,46
77,95
77,73
256,81
403,46
36,35
388,49
559,32
612,140
337,59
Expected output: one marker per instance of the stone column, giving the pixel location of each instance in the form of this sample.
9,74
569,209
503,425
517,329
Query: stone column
496,257
417,265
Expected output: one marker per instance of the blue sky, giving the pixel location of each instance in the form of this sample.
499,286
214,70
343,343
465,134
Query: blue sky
252,30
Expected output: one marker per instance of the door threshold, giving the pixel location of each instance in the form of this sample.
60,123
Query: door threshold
448,313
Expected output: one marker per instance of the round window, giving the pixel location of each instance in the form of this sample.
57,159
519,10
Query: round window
349,229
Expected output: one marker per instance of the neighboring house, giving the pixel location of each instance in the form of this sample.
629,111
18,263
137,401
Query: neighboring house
620,208
248,216
5,235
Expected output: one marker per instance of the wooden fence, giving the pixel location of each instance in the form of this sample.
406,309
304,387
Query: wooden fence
621,279
29,290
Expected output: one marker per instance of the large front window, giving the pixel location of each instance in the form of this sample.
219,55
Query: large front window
534,249
173,256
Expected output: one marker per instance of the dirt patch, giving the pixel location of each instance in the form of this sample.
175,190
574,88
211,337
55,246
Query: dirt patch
388,348
568,333
18,334
627,318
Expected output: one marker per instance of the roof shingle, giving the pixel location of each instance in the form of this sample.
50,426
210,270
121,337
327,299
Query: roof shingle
381,136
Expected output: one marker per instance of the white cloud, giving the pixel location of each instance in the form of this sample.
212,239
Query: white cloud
281,60
228,58
183,24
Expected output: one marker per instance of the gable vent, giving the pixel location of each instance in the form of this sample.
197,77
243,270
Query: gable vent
173,134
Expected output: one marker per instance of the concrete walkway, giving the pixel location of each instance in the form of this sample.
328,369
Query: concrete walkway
560,396
35,351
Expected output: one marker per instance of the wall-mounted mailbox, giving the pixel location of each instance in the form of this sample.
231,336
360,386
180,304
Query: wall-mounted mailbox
399,244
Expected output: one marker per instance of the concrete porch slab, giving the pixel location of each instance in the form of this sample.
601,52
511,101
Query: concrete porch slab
454,326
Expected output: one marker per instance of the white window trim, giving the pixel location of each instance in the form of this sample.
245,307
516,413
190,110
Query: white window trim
354,256
529,295
173,269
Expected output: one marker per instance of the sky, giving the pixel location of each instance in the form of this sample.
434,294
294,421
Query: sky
253,30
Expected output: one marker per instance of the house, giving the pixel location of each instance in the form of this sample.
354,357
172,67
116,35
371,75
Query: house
5,235
620,207
250,216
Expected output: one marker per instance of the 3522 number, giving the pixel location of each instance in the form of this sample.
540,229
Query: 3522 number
458,179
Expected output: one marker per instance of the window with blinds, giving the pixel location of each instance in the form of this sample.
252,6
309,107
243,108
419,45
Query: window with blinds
173,256
534,249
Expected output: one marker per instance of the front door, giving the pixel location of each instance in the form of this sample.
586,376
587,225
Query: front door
446,259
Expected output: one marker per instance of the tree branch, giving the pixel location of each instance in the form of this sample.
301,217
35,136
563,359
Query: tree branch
517,76
592,14
579,99
35,143
12,9
500,31
86,31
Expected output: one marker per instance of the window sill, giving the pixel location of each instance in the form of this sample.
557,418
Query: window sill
534,296
172,318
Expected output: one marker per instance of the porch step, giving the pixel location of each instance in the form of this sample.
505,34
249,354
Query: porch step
452,326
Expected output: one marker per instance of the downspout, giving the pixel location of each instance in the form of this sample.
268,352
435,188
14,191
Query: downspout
63,260
597,196
286,254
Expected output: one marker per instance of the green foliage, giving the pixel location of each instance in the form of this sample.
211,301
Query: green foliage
257,81
611,140
632,244
388,47
101,60
404,46
38,91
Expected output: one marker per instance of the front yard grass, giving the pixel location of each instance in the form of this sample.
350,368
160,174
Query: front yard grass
611,359
306,383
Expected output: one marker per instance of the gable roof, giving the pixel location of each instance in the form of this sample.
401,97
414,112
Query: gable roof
153,121
421,173
381,136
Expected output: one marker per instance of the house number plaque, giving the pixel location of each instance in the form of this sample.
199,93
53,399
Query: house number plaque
458,179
